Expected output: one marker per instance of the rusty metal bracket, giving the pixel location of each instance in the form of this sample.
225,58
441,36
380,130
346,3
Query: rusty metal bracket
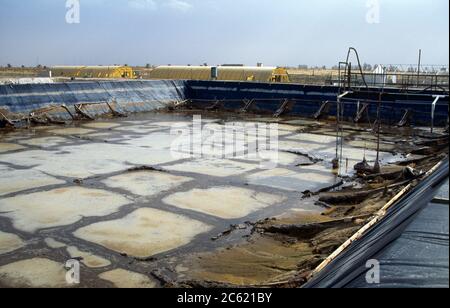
217,105
115,112
323,110
5,118
363,110
406,119
285,106
247,105
78,109
68,111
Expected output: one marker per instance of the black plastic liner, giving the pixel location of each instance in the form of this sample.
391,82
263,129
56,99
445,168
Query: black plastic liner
267,98
350,265
133,96
419,258
307,100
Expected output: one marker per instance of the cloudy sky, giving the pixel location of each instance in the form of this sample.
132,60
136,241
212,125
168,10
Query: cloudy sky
275,32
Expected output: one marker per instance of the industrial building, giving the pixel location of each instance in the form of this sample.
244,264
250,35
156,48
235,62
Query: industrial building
224,73
92,72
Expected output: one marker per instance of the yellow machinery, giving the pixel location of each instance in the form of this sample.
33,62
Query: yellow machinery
93,72
280,74
229,73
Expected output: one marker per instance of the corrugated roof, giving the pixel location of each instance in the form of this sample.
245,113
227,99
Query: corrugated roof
244,73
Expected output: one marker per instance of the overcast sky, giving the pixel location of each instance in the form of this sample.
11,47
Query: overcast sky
275,32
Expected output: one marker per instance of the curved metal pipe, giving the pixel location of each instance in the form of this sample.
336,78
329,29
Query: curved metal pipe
359,63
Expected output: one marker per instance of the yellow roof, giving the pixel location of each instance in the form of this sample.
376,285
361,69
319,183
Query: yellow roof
241,73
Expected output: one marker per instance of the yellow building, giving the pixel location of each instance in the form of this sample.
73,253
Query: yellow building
93,71
229,73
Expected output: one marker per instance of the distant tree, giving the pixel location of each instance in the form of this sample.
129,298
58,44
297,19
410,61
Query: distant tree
392,68
367,67
39,66
148,65
23,66
303,67
9,65
324,67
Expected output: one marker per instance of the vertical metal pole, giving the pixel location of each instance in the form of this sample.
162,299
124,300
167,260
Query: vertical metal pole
433,110
349,77
336,160
418,67
342,108
377,167
339,130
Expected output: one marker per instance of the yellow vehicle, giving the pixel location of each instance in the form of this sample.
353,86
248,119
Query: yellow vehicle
228,73
280,74
93,72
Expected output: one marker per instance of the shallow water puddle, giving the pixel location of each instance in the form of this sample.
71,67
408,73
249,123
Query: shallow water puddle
27,158
279,158
174,123
12,180
10,242
59,207
44,142
289,128
156,140
315,138
34,273
98,152
12,137
88,259
301,147
86,160
327,150
306,178
128,280
62,164
71,131
54,244
310,144
372,145
8,147
138,129
79,168
355,155
223,202
303,122
136,122
101,125
213,167
146,183
144,233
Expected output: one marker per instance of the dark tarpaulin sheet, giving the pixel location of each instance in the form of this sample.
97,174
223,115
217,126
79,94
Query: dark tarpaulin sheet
141,95
309,98
419,258
350,265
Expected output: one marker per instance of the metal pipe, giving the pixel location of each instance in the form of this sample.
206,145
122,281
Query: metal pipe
418,67
359,63
336,161
433,109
